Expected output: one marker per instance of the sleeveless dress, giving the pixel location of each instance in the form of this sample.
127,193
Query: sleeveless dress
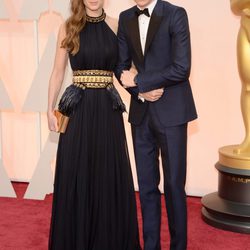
94,204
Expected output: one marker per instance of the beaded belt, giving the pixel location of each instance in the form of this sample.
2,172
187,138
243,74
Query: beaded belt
96,79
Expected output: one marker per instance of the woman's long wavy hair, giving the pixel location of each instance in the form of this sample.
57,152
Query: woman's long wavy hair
74,24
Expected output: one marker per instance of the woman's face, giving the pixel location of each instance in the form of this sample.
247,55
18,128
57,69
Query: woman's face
93,5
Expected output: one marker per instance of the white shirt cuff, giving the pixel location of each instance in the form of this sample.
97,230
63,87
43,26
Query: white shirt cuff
141,98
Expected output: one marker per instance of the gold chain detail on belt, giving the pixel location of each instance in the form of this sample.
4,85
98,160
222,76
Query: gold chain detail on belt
92,78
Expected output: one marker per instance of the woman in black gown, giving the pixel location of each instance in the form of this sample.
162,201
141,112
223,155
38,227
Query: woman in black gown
94,203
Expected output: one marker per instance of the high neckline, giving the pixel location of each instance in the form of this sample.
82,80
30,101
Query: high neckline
98,19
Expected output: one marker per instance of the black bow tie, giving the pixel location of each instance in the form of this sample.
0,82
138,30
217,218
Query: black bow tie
140,12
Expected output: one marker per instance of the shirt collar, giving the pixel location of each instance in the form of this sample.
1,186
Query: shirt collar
150,7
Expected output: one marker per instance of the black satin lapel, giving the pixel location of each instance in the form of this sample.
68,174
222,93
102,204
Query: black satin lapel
134,35
154,24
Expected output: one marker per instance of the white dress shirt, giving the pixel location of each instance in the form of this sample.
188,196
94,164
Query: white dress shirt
144,23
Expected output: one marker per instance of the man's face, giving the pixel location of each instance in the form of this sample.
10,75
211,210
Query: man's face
143,3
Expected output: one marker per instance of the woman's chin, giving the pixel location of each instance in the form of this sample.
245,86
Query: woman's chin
94,9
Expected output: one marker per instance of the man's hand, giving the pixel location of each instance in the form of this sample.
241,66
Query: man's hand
127,78
153,95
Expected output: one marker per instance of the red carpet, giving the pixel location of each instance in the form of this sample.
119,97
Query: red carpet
24,225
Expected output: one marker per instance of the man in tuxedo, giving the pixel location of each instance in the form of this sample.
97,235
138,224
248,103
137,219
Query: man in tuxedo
154,36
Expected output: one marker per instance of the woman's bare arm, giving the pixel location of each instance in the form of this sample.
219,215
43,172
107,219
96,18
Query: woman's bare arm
57,76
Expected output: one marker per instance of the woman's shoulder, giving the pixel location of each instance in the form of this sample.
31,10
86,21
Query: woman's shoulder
112,23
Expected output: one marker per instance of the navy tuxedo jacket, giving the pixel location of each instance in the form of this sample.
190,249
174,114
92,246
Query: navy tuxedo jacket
166,63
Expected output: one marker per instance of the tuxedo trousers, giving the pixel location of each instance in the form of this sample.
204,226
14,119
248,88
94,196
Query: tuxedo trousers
150,139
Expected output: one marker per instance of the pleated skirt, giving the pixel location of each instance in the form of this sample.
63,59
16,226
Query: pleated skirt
94,204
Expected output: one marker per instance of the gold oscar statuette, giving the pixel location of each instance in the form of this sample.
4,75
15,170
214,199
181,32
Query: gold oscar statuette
228,208
238,156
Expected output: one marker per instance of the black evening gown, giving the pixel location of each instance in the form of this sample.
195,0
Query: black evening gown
94,204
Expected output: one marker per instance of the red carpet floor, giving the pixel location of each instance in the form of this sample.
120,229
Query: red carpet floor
24,224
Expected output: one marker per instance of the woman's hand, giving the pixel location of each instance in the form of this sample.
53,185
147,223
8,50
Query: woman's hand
52,121
127,78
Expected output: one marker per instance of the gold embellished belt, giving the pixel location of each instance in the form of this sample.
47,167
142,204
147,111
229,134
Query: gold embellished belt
95,79
82,79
